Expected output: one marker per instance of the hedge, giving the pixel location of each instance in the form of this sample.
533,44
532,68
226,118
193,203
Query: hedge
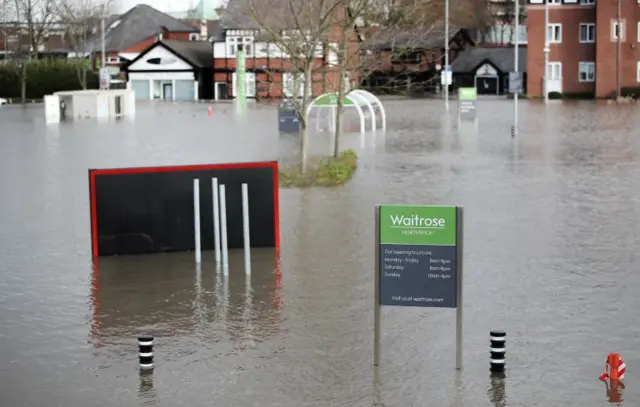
44,77
632,92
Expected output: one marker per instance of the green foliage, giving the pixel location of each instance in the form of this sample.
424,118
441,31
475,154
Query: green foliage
44,77
333,171
555,95
520,96
578,95
631,92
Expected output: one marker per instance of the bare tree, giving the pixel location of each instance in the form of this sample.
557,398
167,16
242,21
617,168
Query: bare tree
34,19
323,41
81,20
406,23
296,34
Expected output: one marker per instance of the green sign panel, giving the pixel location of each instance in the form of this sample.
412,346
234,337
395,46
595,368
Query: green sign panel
331,99
418,261
430,225
467,94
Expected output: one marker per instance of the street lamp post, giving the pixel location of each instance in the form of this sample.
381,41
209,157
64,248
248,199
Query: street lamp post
546,51
102,45
446,55
619,39
515,66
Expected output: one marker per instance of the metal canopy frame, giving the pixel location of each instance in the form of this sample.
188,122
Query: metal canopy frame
360,98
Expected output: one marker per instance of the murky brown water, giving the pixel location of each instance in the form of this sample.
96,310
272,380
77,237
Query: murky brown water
552,236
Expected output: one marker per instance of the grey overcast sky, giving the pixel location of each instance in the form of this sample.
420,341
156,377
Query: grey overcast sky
162,5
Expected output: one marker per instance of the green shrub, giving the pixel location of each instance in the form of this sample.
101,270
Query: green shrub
555,95
520,96
332,171
44,77
632,92
578,95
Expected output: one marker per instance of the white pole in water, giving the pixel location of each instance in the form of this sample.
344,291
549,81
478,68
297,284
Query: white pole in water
216,218
245,227
196,217
223,229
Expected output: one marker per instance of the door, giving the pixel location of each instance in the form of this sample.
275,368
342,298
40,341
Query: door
487,85
222,91
554,75
167,91
141,89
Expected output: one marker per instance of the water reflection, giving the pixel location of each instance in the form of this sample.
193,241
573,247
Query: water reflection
614,390
166,295
146,389
497,390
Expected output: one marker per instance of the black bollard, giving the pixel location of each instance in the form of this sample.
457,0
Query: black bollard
145,349
497,350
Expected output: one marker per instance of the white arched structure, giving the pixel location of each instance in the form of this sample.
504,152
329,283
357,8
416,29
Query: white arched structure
357,98
373,102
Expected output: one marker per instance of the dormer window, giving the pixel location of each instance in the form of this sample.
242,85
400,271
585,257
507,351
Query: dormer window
194,37
114,25
234,44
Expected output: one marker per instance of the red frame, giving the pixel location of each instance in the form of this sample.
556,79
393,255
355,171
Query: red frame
142,170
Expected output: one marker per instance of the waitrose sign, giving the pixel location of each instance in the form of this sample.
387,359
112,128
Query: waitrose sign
420,225
418,262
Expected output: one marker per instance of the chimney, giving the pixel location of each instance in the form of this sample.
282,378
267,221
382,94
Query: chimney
203,30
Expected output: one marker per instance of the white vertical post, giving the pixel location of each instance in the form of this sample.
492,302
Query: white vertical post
223,230
546,51
196,217
245,227
446,55
216,218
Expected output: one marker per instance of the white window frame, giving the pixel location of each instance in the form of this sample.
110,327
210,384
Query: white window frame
587,68
587,2
554,2
638,31
112,60
233,43
638,71
194,37
250,84
614,25
288,81
549,74
587,40
551,28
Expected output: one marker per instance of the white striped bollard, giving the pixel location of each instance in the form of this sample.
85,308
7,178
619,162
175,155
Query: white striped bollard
145,349
498,343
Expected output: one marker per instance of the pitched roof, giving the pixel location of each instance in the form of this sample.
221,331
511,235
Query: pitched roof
433,37
237,15
197,53
137,24
502,58
256,14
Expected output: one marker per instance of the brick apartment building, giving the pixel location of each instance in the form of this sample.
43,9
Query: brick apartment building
583,36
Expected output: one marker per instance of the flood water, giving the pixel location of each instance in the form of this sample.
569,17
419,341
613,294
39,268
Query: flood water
552,222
